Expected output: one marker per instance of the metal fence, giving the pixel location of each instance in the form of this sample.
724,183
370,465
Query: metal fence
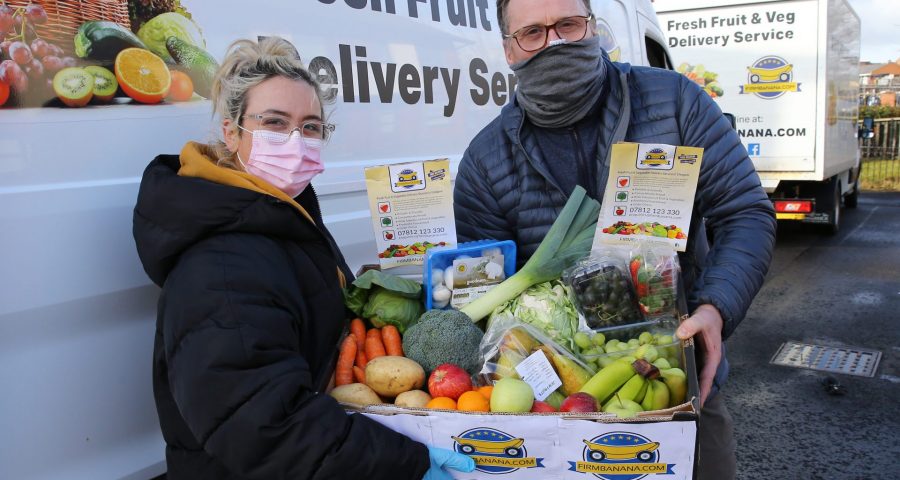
881,156
886,143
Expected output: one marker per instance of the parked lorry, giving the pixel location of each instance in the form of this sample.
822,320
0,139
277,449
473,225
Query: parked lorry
788,72
409,81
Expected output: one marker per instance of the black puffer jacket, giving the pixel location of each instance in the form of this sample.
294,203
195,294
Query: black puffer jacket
505,189
249,319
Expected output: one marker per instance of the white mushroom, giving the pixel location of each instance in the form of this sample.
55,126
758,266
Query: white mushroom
437,277
448,277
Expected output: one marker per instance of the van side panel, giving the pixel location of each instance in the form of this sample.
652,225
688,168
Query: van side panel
77,312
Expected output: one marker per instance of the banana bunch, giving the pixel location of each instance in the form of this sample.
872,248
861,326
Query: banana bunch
630,385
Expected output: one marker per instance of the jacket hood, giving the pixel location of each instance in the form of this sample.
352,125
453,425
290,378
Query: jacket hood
186,198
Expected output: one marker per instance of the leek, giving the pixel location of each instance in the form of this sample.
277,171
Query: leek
567,241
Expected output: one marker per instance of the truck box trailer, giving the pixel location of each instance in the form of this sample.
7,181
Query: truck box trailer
788,72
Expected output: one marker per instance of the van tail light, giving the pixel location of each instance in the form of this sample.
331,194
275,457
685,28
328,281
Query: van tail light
793,206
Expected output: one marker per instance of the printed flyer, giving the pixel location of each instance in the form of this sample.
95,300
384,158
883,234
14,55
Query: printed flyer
649,195
412,210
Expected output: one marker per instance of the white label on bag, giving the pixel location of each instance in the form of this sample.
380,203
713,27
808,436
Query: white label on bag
537,372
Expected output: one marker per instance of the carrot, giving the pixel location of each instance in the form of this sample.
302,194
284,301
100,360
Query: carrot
359,329
373,332
374,348
361,359
392,342
343,372
359,374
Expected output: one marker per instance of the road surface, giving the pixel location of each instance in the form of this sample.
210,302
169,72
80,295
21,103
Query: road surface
842,291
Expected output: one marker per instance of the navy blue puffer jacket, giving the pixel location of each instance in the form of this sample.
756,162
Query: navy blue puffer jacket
505,189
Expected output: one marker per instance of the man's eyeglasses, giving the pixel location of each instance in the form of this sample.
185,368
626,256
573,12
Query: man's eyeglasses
534,37
283,128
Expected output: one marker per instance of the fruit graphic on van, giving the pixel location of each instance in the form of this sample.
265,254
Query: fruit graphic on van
706,79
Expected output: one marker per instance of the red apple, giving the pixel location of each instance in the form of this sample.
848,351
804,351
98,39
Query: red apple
579,402
448,380
389,236
542,407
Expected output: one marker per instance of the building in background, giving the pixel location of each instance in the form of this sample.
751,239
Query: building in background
879,84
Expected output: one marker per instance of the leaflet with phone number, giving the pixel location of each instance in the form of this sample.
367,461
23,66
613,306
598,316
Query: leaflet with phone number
649,195
412,210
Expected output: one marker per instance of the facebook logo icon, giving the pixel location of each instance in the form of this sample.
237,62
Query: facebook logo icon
753,149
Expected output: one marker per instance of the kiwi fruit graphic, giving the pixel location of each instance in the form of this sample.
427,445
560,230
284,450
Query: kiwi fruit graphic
105,84
74,86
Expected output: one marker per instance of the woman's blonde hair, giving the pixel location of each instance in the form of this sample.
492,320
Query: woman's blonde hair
246,65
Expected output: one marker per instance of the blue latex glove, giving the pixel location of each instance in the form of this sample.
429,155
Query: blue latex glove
441,459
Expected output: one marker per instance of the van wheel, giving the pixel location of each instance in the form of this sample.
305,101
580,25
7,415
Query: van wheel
832,202
851,200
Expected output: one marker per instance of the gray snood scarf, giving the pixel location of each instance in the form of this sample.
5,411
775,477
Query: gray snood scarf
559,85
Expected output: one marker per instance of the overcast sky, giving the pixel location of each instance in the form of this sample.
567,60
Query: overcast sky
880,29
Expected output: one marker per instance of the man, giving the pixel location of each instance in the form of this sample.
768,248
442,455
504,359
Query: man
572,104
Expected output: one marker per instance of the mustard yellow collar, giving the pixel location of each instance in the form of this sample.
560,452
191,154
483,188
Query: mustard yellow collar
198,161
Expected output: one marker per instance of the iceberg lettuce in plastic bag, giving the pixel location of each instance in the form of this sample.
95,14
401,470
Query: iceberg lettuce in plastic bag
547,307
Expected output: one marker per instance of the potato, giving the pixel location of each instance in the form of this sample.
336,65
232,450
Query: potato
412,398
356,394
390,376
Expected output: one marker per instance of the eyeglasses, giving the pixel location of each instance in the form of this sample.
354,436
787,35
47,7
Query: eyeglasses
283,128
534,37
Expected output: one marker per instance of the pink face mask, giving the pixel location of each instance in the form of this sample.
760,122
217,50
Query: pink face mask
287,161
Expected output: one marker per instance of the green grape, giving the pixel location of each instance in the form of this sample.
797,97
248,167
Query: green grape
605,361
664,339
661,363
582,340
645,337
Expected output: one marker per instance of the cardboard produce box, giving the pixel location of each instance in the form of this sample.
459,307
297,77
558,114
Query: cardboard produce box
560,445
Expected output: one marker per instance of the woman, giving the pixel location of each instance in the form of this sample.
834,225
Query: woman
251,311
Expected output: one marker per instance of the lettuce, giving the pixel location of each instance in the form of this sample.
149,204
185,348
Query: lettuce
385,299
158,29
547,307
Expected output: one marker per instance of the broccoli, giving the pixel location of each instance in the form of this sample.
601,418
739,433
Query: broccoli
444,336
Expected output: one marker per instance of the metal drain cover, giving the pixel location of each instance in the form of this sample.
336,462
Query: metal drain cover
848,360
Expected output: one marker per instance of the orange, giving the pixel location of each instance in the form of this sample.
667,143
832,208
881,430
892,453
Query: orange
182,87
473,401
486,390
445,403
142,75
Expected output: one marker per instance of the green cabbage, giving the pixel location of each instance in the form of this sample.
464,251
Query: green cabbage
158,29
385,299
547,307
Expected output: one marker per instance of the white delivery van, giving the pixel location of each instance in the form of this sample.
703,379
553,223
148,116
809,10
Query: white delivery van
788,72
410,80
